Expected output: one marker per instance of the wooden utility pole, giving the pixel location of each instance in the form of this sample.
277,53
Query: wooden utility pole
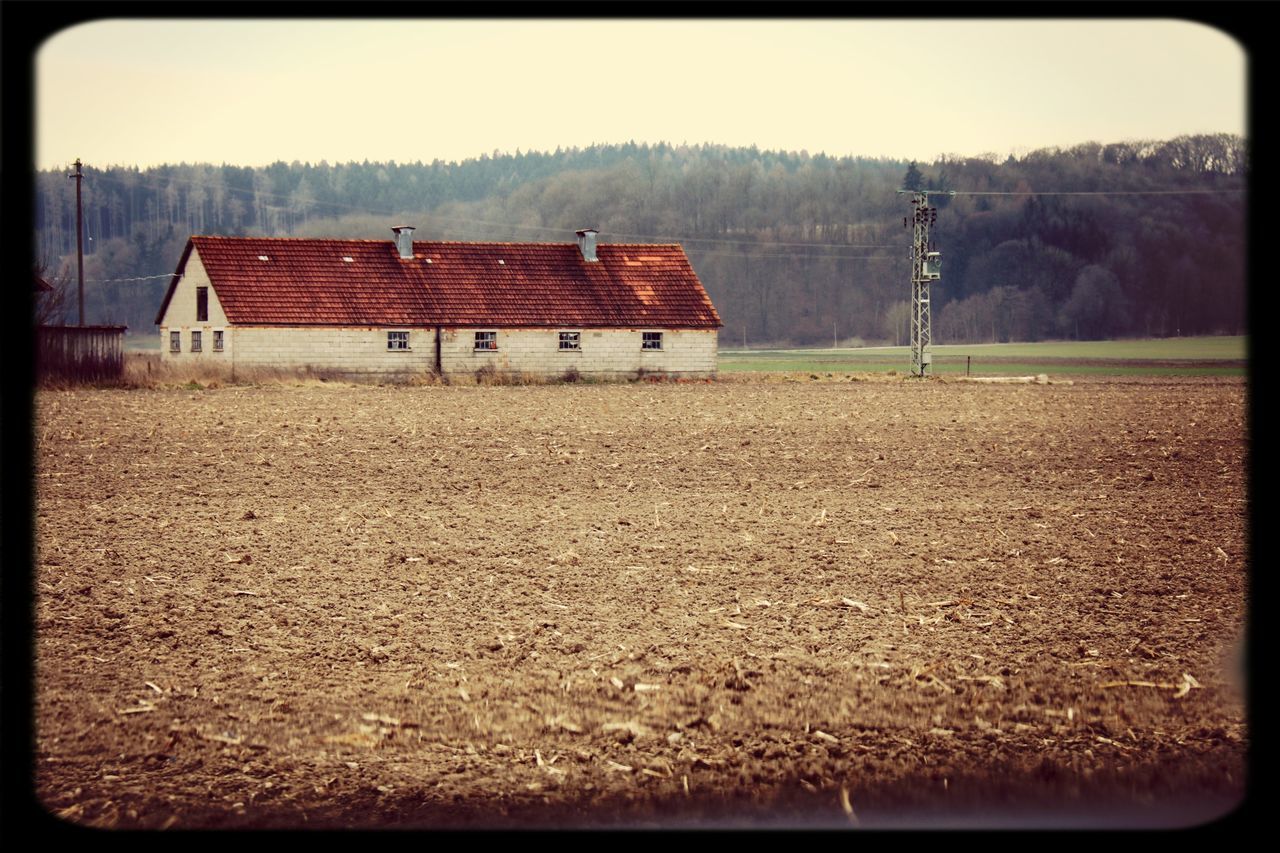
79,178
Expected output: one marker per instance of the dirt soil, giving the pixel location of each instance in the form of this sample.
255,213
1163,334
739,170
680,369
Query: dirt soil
881,604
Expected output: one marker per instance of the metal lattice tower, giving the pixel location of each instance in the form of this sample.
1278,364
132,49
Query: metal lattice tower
926,267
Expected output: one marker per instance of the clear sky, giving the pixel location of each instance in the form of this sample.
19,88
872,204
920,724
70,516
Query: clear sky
252,92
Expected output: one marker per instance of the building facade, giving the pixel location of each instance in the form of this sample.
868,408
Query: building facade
405,307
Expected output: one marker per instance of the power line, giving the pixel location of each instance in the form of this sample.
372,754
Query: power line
134,278
358,209
717,240
446,220
765,242
793,255
753,256
509,225
210,187
1097,192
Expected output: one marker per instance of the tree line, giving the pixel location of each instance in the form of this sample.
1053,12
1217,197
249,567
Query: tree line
793,248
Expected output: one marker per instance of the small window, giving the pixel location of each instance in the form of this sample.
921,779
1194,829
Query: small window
570,340
202,304
175,342
217,341
195,342
397,340
652,340
486,340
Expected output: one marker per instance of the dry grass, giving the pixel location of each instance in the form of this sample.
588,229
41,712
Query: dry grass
149,370
145,370
490,375
767,377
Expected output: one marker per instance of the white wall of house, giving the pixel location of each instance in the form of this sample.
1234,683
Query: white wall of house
180,317
603,353
351,350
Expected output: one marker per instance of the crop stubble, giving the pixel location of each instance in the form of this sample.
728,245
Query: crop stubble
802,604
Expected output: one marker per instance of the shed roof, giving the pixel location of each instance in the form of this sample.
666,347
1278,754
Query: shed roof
366,282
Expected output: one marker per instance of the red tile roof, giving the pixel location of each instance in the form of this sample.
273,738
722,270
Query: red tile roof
308,282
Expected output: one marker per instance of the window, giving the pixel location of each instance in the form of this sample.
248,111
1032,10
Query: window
195,342
486,340
217,341
651,340
202,304
175,342
570,340
397,340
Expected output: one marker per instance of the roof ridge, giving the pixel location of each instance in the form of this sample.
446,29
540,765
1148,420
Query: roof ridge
391,241
292,239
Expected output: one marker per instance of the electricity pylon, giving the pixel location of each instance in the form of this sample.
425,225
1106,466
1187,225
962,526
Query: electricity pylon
926,267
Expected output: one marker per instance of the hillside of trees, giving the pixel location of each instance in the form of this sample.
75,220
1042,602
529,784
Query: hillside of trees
793,248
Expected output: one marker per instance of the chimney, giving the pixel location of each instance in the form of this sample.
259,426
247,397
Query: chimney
404,240
587,243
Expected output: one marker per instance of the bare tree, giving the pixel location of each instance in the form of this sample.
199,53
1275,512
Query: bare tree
897,322
51,305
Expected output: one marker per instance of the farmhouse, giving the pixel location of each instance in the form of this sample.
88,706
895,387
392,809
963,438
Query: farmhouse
399,307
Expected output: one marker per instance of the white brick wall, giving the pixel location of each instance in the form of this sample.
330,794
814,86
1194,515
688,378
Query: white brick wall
180,316
604,353
346,350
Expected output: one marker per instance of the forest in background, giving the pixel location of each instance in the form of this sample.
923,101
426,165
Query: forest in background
794,249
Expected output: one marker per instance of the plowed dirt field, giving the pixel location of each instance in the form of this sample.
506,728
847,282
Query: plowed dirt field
829,604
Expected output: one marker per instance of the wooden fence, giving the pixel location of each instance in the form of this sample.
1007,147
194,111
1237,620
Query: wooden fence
80,353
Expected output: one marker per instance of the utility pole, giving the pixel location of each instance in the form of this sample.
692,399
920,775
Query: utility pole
926,267
79,178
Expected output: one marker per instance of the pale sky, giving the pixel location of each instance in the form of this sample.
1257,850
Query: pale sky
247,93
